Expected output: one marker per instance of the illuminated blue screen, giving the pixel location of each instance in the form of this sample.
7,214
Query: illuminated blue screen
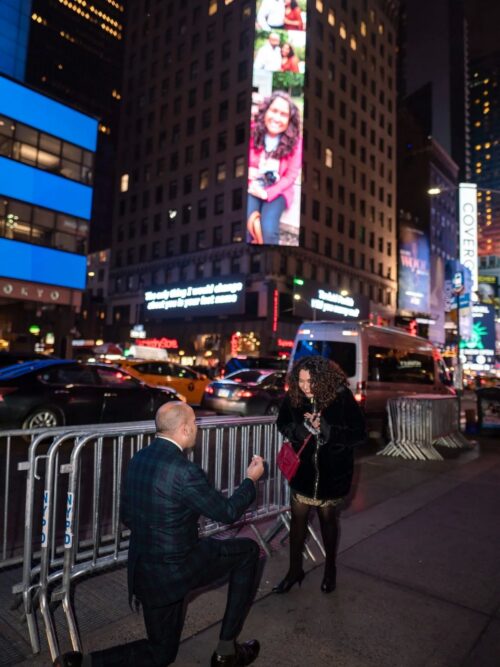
42,113
34,186
42,265
14,27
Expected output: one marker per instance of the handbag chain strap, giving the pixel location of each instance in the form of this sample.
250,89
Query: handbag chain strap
306,440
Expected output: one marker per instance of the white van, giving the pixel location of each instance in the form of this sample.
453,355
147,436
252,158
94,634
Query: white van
380,362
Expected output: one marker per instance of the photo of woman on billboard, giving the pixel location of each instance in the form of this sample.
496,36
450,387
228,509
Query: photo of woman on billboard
289,61
275,162
293,16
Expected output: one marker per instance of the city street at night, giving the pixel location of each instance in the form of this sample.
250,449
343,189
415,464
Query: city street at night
418,581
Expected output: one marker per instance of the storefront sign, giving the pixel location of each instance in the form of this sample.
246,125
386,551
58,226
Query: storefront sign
17,289
467,206
161,343
138,331
199,298
288,344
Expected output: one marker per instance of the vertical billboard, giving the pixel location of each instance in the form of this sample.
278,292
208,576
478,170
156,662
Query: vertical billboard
479,348
414,270
467,211
276,123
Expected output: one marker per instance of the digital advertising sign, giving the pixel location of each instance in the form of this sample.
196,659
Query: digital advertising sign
312,300
414,270
276,123
199,298
467,211
479,349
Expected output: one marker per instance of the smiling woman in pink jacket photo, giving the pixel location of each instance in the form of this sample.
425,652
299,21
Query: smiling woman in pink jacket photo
275,161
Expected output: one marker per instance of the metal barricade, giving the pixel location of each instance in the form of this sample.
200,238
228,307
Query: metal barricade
81,530
418,423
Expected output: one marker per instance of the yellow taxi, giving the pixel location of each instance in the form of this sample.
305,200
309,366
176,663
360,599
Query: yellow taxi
185,381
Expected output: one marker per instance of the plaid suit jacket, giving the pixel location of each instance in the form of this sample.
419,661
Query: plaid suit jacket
163,497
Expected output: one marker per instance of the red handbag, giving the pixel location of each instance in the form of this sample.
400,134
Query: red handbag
288,459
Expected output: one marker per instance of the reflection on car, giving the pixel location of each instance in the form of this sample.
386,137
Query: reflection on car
186,381
43,394
246,393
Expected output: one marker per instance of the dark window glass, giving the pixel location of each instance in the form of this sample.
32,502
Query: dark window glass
343,353
393,365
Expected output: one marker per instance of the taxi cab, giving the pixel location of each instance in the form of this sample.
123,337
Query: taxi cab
185,381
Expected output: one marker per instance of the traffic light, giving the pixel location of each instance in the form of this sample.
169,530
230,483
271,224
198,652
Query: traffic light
298,281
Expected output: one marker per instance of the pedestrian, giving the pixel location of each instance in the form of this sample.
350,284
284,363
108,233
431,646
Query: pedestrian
164,496
320,406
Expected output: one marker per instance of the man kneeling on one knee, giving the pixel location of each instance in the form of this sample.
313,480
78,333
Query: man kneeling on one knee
164,496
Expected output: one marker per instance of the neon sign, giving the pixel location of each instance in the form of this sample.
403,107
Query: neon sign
161,343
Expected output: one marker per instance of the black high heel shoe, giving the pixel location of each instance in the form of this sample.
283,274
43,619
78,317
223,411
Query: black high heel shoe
285,584
329,583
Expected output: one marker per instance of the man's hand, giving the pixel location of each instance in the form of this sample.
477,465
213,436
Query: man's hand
256,468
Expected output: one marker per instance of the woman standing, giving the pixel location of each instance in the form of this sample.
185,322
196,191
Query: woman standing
293,16
319,405
289,61
274,161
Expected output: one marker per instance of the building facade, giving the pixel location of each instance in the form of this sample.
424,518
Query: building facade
74,53
46,175
180,221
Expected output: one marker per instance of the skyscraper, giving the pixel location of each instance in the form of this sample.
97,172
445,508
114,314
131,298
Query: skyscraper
74,54
180,225
485,133
434,53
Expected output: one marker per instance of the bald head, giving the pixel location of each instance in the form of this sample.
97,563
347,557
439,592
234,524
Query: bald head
176,420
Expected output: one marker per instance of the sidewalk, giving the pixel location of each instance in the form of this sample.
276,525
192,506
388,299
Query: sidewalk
418,580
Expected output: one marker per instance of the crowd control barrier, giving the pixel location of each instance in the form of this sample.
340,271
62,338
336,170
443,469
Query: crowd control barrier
418,423
79,495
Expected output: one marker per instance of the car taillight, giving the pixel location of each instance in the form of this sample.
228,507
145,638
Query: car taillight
360,394
6,390
243,393
209,389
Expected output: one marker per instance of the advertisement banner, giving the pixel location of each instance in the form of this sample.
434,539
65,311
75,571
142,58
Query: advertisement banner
479,348
312,300
488,289
414,270
467,211
219,296
275,152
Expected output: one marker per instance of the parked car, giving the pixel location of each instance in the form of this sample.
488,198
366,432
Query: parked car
44,394
11,358
246,393
184,380
239,363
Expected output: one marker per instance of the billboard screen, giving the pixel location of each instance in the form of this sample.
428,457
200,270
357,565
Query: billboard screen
479,348
414,270
467,203
275,150
198,298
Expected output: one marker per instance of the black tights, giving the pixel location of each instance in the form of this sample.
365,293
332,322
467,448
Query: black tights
328,521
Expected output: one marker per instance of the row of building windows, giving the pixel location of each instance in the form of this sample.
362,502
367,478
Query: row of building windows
38,149
32,224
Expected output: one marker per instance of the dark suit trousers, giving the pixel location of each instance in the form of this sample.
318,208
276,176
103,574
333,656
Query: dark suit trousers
236,558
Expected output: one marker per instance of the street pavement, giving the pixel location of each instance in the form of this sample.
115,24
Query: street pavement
418,580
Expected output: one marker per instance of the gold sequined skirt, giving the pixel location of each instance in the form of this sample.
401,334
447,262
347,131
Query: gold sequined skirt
316,502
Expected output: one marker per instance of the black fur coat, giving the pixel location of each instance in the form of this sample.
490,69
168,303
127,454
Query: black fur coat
327,461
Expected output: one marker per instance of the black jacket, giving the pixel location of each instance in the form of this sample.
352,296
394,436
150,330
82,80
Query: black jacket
326,469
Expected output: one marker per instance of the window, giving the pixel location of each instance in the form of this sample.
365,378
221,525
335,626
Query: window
221,172
219,204
395,365
342,353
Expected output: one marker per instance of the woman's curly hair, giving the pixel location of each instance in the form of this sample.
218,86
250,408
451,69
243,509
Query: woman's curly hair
289,138
327,378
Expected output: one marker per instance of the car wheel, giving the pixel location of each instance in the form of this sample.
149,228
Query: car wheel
272,409
42,418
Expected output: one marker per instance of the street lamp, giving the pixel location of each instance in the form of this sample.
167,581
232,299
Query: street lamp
298,297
